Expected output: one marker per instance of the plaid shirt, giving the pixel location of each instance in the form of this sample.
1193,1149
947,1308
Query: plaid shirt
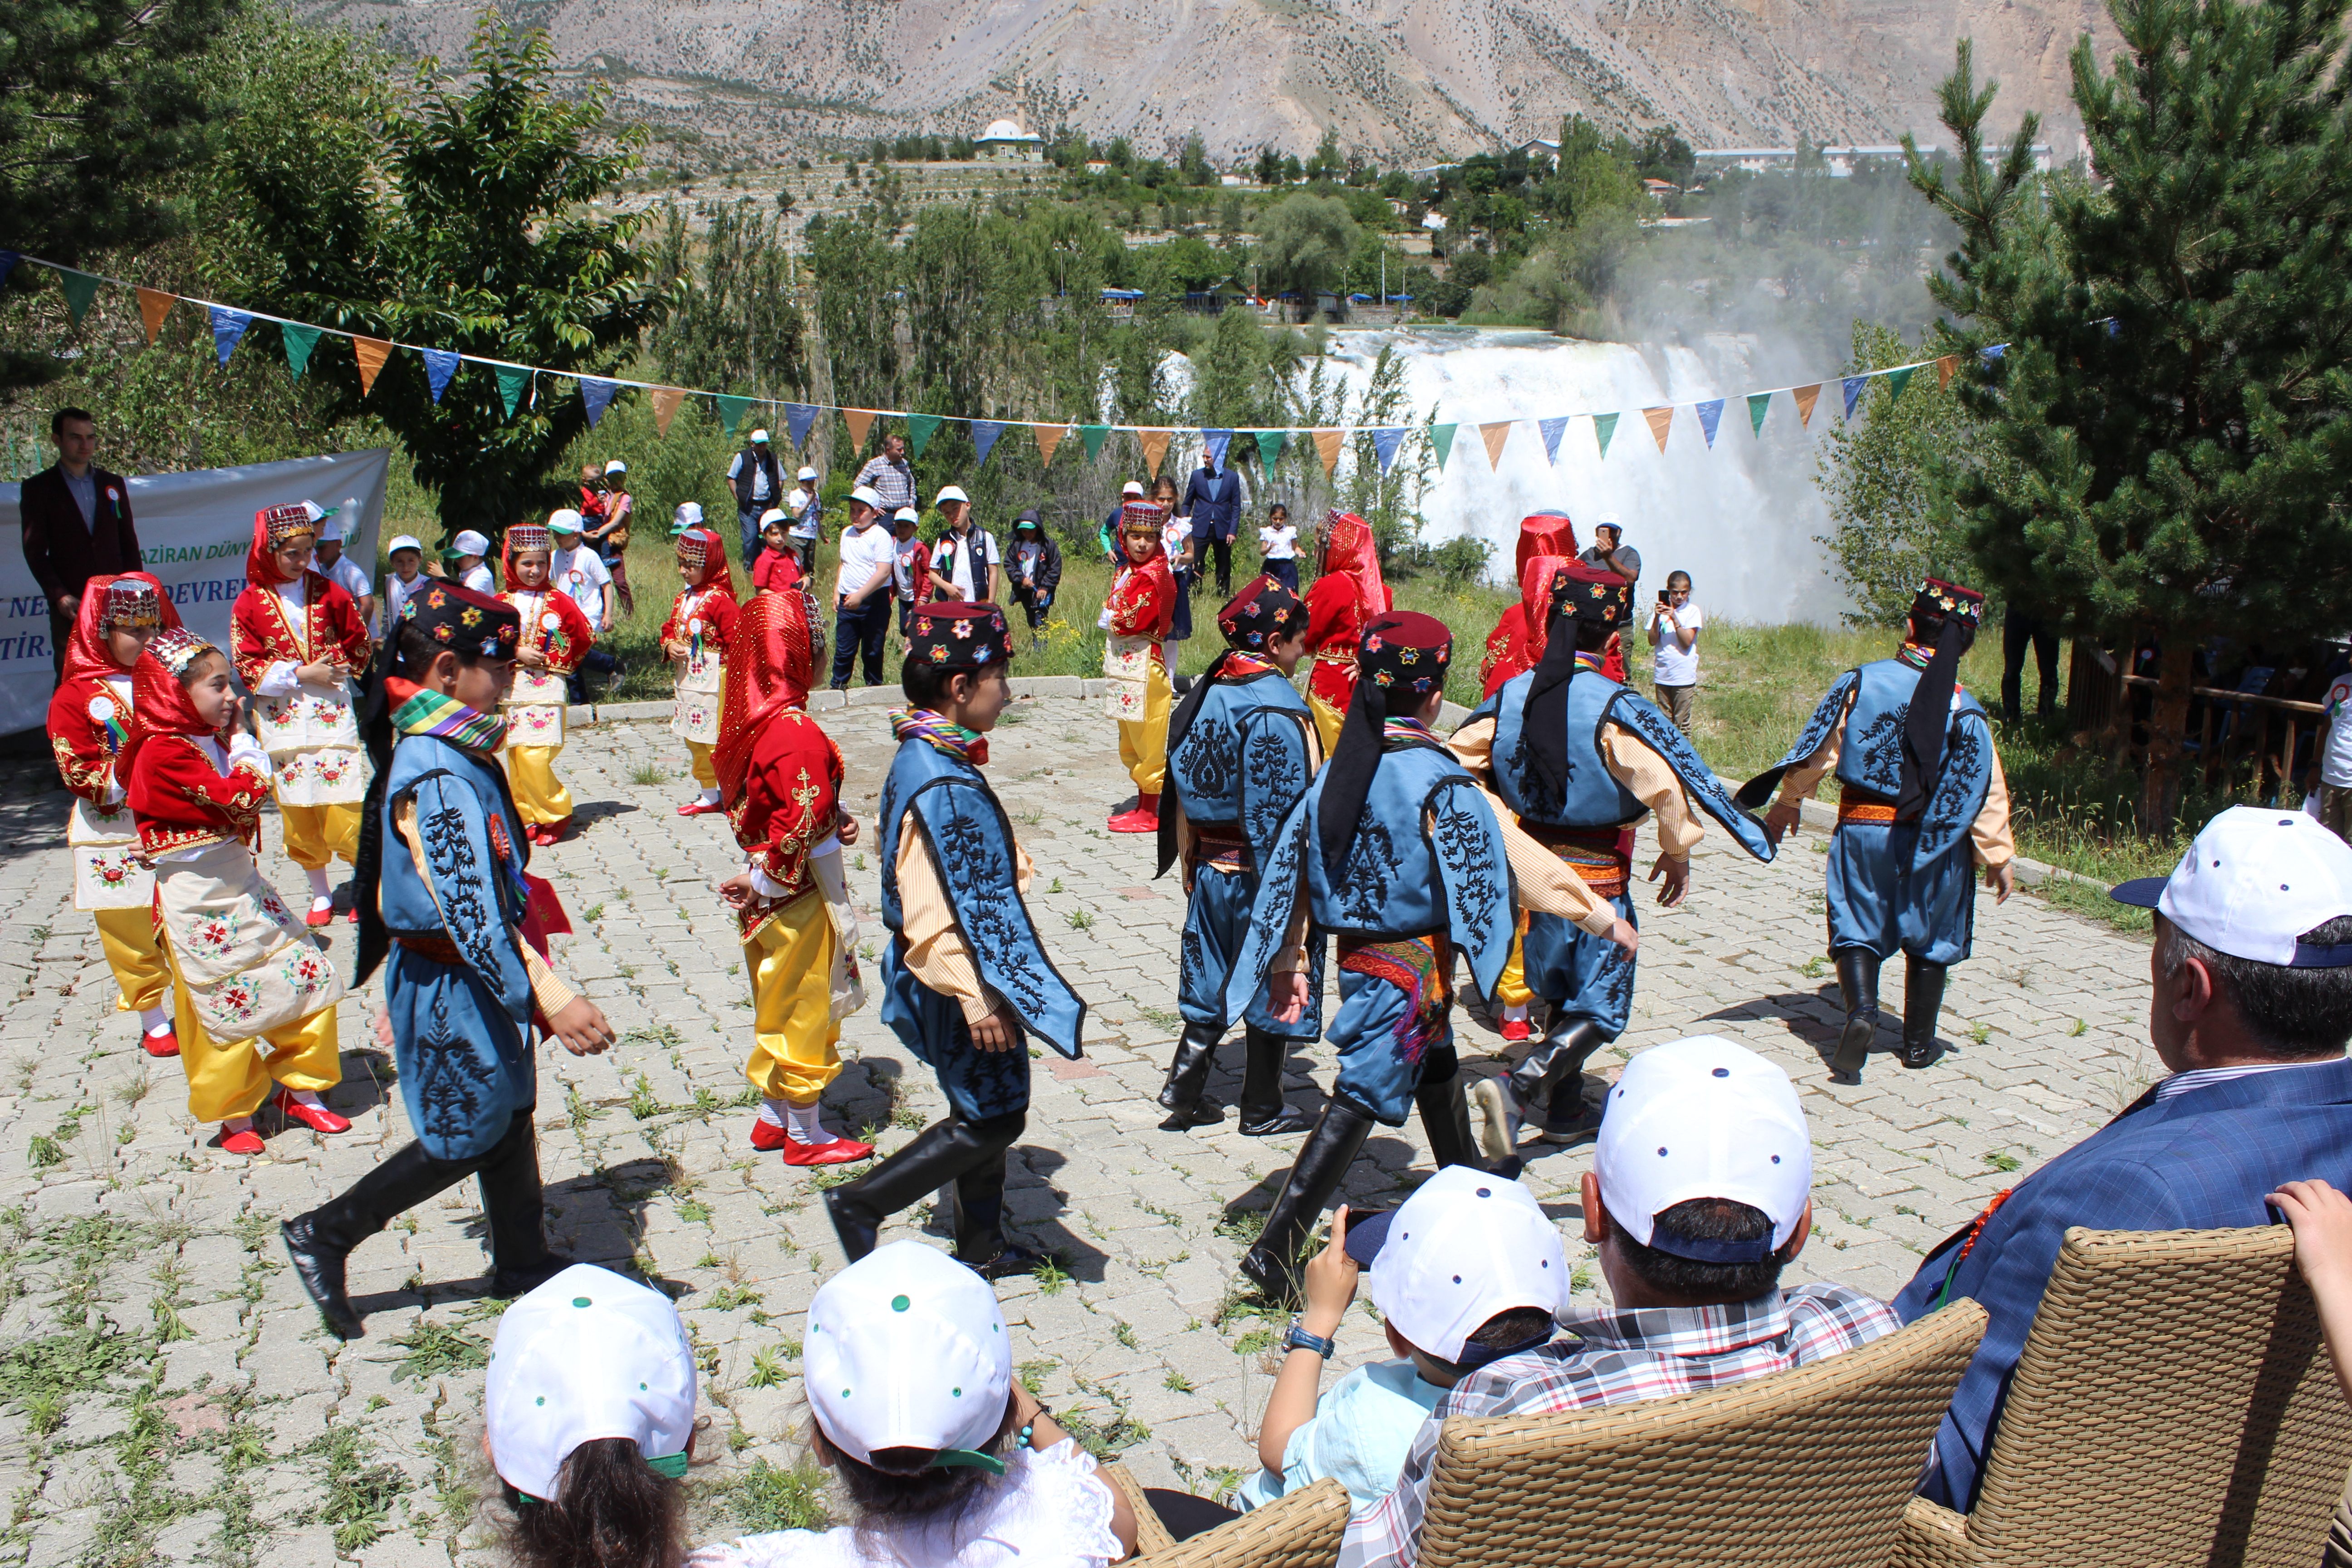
1617,1357
893,482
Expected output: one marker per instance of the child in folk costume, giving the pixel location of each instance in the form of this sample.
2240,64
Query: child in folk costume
965,979
90,718
443,893
554,638
780,774
1340,603
1240,749
299,641
700,626
1137,616
247,972
1394,852
1547,540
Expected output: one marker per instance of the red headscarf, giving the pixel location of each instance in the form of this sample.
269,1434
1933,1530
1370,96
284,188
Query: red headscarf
88,657
771,660
714,559
273,526
1544,534
1348,550
520,538
160,704
1517,645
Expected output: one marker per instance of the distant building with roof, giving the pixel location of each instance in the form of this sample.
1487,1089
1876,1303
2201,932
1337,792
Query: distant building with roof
1007,141
1838,161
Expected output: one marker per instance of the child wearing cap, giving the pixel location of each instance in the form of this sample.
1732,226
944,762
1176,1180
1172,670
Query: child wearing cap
1467,1271
910,569
588,1410
298,641
340,569
1035,568
964,563
555,638
945,1457
407,575
778,566
806,509
701,623
462,561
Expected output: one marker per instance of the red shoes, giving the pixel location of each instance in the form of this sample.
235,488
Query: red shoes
244,1140
317,1118
322,912
698,806
166,1044
1144,819
1515,1029
840,1152
546,833
767,1136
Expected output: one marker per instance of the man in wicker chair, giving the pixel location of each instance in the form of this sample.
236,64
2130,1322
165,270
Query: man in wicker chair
2253,977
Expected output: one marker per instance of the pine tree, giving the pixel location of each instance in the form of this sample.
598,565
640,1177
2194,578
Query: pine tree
2163,356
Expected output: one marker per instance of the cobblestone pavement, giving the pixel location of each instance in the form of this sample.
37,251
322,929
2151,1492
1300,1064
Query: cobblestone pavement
166,1392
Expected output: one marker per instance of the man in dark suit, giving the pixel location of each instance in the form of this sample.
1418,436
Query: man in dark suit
1214,501
78,524
2252,974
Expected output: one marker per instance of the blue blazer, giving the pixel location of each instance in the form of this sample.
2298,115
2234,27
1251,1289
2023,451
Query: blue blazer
1216,503
2200,1160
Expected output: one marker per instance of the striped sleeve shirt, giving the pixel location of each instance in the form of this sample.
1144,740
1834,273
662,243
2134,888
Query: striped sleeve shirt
1610,1357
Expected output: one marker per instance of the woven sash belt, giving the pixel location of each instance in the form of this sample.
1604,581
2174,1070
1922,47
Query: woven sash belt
1589,852
1221,845
439,949
1419,966
1862,805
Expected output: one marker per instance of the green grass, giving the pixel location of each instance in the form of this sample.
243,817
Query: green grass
767,1498
434,1349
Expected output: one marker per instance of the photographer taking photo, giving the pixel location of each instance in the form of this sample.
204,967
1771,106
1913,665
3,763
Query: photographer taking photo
1672,628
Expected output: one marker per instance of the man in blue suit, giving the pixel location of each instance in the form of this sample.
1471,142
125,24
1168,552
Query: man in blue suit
1213,502
2252,971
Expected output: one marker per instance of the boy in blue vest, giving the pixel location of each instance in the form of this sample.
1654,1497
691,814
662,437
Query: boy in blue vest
1395,854
965,979
1580,759
1921,801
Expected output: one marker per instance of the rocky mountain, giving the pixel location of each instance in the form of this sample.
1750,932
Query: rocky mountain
1408,80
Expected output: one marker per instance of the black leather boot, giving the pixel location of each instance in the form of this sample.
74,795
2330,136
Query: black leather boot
514,1207
1272,1261
1445,1118
318,1243
1922,1001
1858,971
1263,1112
1188,1078
1554,1072
979,1204
937,1156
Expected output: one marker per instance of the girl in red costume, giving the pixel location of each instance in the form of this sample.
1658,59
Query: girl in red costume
555,638
1515,645
702,623
1137,618
1343,600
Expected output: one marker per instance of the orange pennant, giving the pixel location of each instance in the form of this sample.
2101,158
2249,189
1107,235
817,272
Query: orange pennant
1945,367
1806,397
1155,448
154,306
1495,435
1048,437
371,352
666,400
1661,421
1327,442
860,420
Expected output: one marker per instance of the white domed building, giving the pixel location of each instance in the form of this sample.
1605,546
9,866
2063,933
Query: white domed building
1005,140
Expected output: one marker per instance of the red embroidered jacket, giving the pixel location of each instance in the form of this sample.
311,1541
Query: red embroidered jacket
1506,652
1335,626
1144,606
180,800
265,634
787,806
85,761
713,606
566,643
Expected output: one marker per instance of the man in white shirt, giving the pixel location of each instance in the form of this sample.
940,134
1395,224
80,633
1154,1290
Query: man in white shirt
339,568
965,562
806,511
1673,630
757,482
861,597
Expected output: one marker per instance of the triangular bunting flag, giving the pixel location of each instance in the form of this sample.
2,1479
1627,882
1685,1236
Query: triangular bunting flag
1217,441
154,306
1553,429
1092,436
666,400
1944,369
1711,415
1759,404
80,289
371,352
731,410
1603,426
920,428
1270,443
984,433
1495,434
1661,421
1853,386
798,417
8,259
440,364
228,330
1989,354
1896,380
1806,397
1441,438
1385,442
298,343
596,395
1327,443
860,420
1048,437
513,380
1155,448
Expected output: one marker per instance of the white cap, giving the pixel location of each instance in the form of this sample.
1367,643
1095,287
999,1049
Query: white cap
773,514
616,466
906,515
866,495
951,492
586,1355
1607,519
907,1349
1462,1247
2251,883
805,473
1704,1117
759,438
1132,487
689,514
331,525
404,542
563,519
469,543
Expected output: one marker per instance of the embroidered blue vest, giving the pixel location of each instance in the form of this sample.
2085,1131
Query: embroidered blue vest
1872,755
972,844
1246,759
475,844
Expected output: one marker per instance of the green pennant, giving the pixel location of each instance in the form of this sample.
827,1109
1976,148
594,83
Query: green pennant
731,411
1093,436
1896,380
1270,443
512,379
1603,426
1441,436
921,427
80,289
1759,404
298,341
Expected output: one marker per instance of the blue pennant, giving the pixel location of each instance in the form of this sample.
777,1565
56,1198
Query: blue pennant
8,259
229,326
1552,430
598,394
440,364
1385,441
1217,441
984,433
798,417
1711,415
1853,386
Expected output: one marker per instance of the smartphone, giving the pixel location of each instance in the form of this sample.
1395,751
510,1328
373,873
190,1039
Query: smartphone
1661,595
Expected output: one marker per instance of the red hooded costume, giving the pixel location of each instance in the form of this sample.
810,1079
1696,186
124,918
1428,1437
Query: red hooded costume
180,796
1340,603
779,772
266,629
91,713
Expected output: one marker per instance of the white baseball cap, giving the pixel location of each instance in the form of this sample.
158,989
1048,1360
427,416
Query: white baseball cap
1132,487
470,543
759,438
806,473
2252,882
906,515
951,492
563,519
1462,1247
866,495
616,466
1704,1117
330,522
773,514
587,1355
404,542
689,515
907,1349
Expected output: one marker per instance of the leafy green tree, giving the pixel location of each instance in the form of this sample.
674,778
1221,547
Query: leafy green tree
1304,245
1269,166
737,324
2172,395
1194,164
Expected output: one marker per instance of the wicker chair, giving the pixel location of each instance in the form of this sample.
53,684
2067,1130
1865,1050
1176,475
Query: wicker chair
1807,1468
2174,1405
1299,1531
